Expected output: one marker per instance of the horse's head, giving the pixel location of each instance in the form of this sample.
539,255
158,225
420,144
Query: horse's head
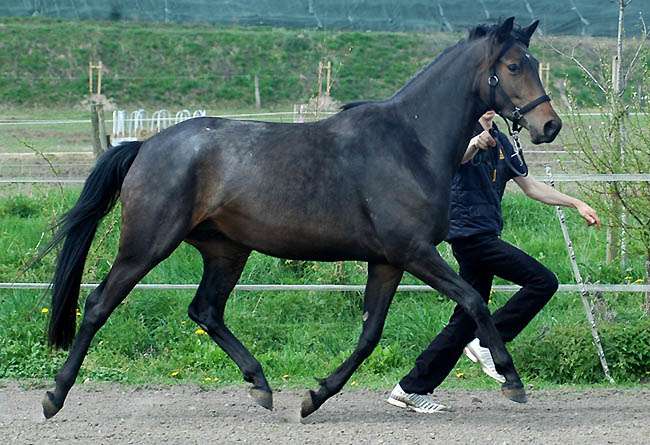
508,81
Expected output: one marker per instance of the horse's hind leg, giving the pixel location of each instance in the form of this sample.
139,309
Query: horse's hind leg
380,288
433,270
223,262
136,257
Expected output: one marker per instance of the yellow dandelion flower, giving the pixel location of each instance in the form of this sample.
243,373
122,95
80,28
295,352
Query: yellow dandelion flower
208,379
460,375
101,342
640,280
78,313
628,278
215,379
175,373
354,384
45,310
199,332
286,376
183,322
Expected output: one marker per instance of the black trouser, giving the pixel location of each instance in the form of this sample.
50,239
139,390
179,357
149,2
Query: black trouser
481,257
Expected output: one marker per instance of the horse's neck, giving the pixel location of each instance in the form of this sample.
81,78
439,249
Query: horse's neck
441,104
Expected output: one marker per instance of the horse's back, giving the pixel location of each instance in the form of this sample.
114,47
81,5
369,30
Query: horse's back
279,188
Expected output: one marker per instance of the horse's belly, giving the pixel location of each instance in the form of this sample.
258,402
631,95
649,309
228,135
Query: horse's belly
303,239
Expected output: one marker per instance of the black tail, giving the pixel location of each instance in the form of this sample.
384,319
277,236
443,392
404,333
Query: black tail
78,227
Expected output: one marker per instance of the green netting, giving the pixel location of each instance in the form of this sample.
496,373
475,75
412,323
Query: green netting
578,17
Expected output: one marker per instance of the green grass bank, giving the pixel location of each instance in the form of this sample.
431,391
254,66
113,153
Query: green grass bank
44,63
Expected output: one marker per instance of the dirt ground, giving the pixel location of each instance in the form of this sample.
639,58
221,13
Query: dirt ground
112,414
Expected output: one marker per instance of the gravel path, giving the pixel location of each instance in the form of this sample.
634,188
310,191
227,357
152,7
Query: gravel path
112,414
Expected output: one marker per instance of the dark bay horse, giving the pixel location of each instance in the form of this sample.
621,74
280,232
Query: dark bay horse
371,183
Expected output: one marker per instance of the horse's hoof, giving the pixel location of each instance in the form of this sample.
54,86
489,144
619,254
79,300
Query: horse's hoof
49,407
262,398
308,405
516,394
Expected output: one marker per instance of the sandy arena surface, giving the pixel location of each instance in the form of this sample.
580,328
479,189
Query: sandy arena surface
113,414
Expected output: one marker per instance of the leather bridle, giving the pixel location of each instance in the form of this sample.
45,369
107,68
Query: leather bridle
495,85
517,112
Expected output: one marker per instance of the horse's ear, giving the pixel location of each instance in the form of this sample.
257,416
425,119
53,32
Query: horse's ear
531,29
505,29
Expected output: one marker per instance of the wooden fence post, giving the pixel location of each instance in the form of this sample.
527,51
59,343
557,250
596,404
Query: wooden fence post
95,67
100,141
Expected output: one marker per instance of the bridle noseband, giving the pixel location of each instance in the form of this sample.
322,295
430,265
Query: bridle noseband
495,85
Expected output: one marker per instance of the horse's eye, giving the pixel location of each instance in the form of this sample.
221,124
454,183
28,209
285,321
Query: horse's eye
513,68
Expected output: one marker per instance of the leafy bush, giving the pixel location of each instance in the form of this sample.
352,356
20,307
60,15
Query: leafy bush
566,353
19,205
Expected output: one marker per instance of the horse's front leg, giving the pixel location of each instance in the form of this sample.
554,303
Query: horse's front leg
380,288
428,266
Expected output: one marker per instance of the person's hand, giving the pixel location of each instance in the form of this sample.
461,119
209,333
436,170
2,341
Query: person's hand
479,142
588,214
484,140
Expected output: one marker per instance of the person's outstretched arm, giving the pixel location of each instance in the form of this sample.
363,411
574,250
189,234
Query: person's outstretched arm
548,195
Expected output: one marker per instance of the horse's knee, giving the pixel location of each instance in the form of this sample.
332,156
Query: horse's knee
476,307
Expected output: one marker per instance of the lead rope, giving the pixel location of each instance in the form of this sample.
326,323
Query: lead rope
518,153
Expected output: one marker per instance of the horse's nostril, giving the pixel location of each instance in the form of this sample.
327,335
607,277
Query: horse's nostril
552,128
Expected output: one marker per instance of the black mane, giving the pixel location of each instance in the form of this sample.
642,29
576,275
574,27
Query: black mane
478,32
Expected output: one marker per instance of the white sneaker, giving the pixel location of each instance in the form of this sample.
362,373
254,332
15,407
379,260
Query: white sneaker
420,403
478,354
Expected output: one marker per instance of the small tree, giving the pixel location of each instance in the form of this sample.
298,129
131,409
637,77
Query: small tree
619,143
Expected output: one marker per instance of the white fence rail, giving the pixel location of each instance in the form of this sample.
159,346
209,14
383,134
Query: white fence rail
343,287
280,115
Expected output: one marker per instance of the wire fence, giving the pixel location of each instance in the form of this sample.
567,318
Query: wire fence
127,125
278,114
577,17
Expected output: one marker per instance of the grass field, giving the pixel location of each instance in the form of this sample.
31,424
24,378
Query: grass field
149,338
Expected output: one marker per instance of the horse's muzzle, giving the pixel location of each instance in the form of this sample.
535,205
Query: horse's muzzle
550,131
